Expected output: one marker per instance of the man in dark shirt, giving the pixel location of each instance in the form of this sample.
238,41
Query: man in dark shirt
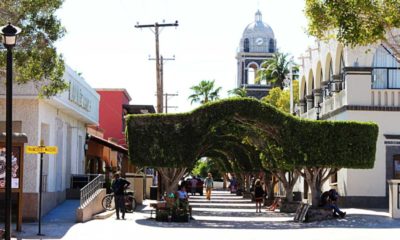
328,199
118,187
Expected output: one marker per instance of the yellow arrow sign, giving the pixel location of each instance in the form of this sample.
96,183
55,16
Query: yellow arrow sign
41,149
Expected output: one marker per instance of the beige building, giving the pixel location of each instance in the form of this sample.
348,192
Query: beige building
60,121
360,84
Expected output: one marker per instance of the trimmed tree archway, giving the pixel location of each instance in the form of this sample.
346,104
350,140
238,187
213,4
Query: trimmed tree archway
179,140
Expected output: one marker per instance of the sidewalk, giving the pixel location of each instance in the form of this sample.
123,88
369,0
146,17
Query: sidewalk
215,222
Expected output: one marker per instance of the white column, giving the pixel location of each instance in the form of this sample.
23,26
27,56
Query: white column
394,198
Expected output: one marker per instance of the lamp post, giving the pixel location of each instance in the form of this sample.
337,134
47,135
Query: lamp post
9,33
318,109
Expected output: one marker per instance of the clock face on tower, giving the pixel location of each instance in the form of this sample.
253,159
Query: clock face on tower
259,41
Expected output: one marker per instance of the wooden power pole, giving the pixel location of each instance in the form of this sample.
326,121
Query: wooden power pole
162,59
156,27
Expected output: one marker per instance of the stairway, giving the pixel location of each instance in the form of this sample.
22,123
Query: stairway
225,206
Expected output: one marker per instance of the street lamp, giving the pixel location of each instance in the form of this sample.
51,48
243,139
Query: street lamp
9,33
318,109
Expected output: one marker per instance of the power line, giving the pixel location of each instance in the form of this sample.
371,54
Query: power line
156,27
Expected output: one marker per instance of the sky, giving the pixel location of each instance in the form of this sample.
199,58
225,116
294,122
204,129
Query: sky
104,46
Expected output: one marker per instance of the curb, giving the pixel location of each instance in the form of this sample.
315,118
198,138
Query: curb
104,215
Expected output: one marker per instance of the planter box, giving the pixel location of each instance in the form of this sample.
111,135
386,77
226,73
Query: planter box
178,215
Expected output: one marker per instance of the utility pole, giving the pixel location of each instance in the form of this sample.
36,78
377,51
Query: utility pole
166,95
162,59
156,27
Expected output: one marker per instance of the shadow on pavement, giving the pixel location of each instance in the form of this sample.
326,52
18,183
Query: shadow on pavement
274,221
55,224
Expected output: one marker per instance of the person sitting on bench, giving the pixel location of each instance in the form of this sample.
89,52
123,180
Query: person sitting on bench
274,205
183,200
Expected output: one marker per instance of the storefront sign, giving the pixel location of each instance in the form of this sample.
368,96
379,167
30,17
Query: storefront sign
41,149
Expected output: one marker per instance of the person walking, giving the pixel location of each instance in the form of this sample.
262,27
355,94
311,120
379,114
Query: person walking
258,194
118,186
193,183
209,184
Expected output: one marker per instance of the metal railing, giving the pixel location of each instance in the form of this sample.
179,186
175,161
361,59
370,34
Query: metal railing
80,180
88,191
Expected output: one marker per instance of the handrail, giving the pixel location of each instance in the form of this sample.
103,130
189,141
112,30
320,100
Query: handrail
87,192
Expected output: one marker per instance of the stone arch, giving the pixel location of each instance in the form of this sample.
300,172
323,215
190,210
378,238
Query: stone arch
251,70
310,80
302,88
327,70
318,75
336,61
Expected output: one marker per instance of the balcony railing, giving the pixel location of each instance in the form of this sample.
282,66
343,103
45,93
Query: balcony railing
385,97
328,105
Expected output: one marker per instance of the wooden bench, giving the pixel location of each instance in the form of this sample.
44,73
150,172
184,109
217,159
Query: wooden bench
301,212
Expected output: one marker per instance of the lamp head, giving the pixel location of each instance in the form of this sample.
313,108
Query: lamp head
9,33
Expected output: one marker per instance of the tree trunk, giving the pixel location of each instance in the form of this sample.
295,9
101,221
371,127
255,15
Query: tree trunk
288,179
170,178
247,187
270,183
316,177
226,179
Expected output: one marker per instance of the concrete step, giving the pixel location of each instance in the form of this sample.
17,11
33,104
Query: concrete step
104,215
223,205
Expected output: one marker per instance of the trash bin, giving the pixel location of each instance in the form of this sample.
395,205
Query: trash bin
153,192
296,196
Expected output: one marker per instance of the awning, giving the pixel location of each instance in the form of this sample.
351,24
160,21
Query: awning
107,143
16,137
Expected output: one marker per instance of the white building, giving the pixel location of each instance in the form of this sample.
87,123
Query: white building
360,84
59,121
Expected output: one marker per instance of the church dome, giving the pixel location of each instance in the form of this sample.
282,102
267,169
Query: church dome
258,37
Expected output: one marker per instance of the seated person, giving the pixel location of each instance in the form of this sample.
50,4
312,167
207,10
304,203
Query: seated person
274,205
183,199
328,200
182,194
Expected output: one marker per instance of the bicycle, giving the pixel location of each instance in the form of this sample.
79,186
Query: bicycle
130,201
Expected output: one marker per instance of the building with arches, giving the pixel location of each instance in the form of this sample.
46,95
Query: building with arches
257,44
360,84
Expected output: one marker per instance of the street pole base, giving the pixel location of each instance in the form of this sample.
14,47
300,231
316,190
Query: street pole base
41,234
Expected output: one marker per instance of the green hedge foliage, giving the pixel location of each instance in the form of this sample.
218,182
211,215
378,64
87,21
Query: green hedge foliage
243,131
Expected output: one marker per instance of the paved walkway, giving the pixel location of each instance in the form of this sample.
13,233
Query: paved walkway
226,216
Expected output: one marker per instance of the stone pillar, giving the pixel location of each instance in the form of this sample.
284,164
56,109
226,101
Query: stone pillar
317,96
394,198
310,101
302,106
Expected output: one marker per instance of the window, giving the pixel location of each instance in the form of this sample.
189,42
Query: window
385,74
271,46
246,45
251,75
396,166
334,178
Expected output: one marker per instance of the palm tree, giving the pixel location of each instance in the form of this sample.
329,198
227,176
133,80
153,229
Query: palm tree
204,92
275,70
238,92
